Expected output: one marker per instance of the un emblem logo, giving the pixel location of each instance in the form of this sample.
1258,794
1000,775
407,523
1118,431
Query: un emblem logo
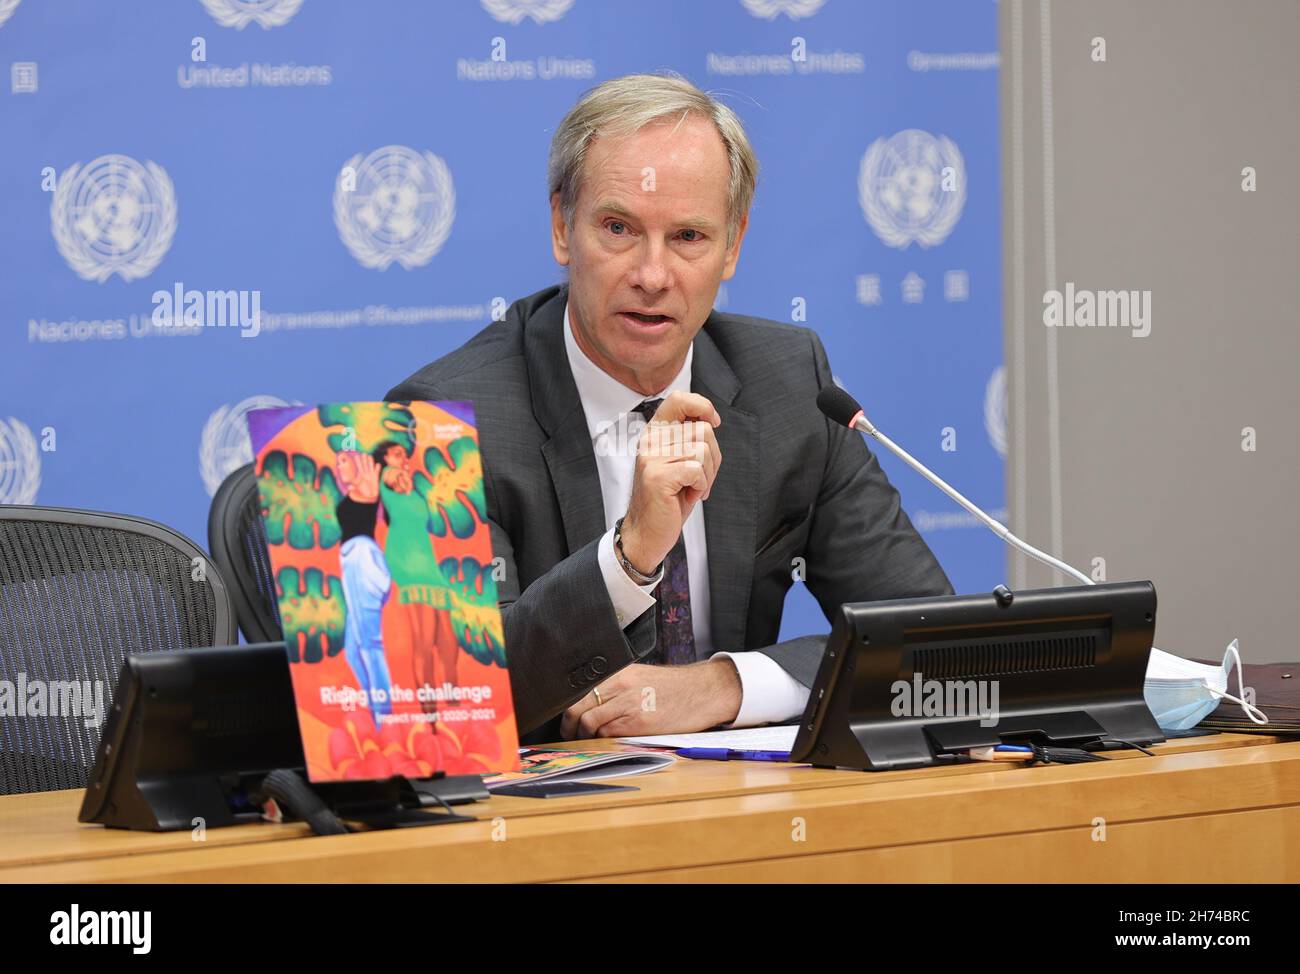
20,463
995,410
240,13
794,9
395,205
514,11
912,187
224,445
115,216
7,10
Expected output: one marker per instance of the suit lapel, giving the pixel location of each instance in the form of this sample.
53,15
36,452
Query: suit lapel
568,452
732,508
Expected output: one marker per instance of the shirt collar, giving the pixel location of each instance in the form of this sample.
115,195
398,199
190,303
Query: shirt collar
605,400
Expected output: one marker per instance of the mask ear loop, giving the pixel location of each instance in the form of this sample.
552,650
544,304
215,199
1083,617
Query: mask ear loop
1250,709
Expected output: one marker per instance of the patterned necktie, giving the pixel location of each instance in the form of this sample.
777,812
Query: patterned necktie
674,637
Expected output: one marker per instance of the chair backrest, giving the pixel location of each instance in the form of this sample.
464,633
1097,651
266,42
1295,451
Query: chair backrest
78,591
237,537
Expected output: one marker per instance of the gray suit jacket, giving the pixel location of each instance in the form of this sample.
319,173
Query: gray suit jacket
791,484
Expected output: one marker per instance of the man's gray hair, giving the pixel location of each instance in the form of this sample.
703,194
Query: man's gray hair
623,106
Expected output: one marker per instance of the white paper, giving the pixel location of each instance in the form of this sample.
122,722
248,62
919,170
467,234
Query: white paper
777,738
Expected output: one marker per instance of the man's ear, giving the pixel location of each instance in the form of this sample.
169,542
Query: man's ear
733,252
559,232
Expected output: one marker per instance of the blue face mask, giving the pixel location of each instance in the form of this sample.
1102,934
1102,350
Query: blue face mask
1181,693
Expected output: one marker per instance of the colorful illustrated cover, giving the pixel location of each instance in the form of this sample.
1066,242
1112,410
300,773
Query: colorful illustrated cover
557,764
376,524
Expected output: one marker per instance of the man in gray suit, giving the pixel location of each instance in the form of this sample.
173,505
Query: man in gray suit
646,565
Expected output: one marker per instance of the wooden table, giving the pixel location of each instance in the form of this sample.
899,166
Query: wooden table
1217,809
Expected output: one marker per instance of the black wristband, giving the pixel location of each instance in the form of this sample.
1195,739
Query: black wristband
635,573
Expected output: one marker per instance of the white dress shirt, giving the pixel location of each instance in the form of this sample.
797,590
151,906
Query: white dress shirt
768,693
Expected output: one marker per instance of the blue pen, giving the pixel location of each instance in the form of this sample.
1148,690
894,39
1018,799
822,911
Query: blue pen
726,754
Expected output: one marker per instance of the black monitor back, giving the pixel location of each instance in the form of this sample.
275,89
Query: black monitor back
1069,664
187,731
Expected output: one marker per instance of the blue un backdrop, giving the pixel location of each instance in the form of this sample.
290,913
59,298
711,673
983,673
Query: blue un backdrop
178,145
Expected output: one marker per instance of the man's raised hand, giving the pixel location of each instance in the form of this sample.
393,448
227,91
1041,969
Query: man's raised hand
677,462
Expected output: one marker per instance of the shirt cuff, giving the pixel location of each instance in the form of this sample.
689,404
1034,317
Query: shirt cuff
768,694
630,599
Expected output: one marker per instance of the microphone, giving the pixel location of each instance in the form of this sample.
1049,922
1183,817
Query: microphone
842,408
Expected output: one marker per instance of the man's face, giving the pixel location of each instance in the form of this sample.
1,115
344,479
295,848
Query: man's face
648,248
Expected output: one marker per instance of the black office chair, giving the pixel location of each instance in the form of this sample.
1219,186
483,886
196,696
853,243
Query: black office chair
78,591
237,538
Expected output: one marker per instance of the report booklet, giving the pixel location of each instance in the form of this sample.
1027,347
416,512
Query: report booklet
376,525
557,764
